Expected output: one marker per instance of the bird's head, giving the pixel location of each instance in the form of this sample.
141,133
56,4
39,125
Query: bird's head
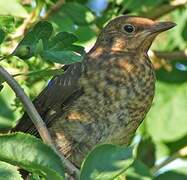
131,33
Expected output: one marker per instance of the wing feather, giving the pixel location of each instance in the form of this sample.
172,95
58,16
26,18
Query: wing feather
61,90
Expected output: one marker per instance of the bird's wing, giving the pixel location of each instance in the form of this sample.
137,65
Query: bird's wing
61,90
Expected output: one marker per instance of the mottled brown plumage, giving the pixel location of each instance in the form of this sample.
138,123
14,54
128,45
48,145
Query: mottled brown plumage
104,98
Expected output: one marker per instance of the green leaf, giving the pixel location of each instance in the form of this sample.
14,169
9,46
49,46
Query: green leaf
31,154
105,162
79,14
59,49
42,73
29,45
2,35
62,57
1,87
143,5
174,146
176,75
146,151
62,22
177,35
13,8
62,40
9,172
138,171
25,51
175,38
85,33
76,48
167,118
7,23
39,47
34,177
172,175
7,114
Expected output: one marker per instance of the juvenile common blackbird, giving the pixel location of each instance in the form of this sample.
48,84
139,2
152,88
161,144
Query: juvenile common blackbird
104,98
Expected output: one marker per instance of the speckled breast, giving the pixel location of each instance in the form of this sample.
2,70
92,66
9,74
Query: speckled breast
118,92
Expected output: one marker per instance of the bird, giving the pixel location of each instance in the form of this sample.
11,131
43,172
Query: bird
105,97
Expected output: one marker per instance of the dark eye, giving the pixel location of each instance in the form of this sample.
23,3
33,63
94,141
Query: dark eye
129,28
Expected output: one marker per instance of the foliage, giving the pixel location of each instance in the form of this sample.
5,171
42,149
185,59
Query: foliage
38,35
31,154
106,162
9,172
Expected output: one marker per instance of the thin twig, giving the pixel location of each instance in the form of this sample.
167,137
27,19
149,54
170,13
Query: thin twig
56,7
179,154
164,9
33,114
22,28
33,17
174,55
36,119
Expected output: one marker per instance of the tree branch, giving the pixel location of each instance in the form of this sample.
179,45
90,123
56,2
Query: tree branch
36,119
33,114
179,154
164,9
33,17
56,7
174,55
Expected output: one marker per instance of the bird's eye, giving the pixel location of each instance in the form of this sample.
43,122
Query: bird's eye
128,28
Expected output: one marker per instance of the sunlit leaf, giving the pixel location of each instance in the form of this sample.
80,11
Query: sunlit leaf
176,145
85,33
9,172
76,48
2,35
7,115
79,14
43,72
62,22
168,110
177,74
137,6
59,49
138,171
173,175
7,23
106,162
31,154
62,57
146,151
1,87
62,40
27,47
13,8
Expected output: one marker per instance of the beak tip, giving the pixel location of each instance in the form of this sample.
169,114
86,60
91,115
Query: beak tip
173,24
163,26
167,25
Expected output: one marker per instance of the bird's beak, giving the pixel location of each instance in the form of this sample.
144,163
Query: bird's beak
152,30
159,27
